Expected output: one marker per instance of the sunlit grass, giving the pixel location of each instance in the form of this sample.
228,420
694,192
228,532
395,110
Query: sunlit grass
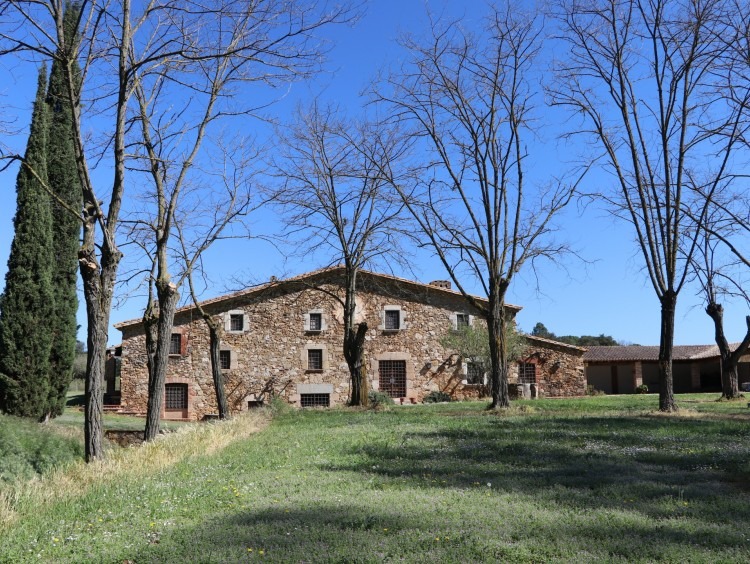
595,479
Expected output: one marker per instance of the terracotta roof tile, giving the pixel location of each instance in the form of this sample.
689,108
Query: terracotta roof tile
649,353
307,276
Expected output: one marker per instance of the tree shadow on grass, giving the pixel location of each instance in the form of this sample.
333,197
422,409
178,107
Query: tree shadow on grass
340,533
325,533
639,464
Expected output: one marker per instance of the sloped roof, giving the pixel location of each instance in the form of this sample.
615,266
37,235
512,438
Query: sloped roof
544,341
650,353
249,292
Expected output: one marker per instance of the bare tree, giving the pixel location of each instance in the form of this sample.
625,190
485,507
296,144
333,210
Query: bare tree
120,45
335,197
470,102
263,41
645,79
719,277
219,218
106,38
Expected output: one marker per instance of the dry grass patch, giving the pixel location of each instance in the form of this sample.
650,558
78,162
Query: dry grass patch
166,450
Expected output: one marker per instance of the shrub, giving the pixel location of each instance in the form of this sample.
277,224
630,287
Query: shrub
378,399
642,389
278,406
592,391
29,449
437,397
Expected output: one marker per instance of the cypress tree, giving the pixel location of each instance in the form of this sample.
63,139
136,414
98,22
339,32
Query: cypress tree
66,232
26,304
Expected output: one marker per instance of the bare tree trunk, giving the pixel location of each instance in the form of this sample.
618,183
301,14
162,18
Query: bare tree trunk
354,341
98,286
666,345
168,297
729,360
151,331
496,323
354,348
214,331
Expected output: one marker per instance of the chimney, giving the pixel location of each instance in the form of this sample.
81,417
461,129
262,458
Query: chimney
442,284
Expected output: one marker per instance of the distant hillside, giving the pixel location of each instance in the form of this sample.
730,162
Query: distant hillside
540,330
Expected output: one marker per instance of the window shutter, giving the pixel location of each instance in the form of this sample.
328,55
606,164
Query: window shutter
471,321
227,322
183,344
245,323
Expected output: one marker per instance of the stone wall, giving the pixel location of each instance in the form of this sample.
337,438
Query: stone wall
559,368
269,356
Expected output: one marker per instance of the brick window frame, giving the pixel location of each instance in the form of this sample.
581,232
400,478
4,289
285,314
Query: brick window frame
181,337
175,397
186,414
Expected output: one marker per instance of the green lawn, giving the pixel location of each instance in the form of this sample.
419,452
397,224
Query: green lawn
587,480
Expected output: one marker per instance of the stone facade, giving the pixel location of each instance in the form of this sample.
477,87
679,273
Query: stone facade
559,367
268,342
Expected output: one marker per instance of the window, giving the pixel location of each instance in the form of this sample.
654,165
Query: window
392,378
392,320
526,373
315,359
316,321
315,400
474,373
175,344
176,397
236,322
462,320
225,360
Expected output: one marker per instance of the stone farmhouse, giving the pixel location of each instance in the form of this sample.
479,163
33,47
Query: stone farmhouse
284,339
620,370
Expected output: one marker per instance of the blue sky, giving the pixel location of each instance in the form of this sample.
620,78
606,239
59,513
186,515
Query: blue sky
606,293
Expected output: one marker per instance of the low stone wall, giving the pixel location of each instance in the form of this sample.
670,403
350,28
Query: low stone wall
124,438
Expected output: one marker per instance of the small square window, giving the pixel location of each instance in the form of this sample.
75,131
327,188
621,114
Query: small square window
462,320
316,321
315,359
236,322
175,397
392,320
474,373
175,344
225,360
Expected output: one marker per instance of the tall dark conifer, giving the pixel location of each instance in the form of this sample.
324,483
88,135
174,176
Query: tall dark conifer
66,233
26,304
